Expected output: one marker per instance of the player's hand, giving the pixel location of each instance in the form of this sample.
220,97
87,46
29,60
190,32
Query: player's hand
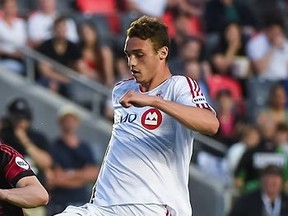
137,99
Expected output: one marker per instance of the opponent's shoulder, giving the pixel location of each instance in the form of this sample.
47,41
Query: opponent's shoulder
8,150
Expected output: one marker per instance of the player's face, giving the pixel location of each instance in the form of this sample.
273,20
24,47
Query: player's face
143,60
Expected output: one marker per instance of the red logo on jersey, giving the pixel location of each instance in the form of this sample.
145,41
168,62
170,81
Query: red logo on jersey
151,119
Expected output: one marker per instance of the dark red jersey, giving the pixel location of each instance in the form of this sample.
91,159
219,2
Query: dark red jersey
12,168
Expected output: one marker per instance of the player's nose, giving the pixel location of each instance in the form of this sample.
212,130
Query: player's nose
132,61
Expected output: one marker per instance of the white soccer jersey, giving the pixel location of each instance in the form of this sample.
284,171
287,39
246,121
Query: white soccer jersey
147,160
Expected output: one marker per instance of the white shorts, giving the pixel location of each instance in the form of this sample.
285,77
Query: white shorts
90,209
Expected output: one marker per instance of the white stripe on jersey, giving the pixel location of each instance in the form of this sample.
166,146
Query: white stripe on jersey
196,91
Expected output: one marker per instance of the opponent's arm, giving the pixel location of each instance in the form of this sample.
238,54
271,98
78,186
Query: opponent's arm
28,193
201,120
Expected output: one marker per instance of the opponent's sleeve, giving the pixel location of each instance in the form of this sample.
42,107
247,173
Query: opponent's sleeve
15,166
188,92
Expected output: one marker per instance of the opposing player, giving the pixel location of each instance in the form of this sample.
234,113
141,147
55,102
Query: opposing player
146,167
19,187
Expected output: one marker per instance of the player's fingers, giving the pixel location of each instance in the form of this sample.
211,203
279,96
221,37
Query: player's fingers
125,103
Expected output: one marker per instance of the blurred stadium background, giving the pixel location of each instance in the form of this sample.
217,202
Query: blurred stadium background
240,94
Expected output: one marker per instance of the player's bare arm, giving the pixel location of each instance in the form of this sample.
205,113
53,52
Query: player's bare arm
201,120
28,193
136,99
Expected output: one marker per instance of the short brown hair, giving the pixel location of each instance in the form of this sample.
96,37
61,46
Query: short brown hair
272,170
59,20
150,28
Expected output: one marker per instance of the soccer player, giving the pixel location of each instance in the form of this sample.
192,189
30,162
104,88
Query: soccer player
19,187
146,168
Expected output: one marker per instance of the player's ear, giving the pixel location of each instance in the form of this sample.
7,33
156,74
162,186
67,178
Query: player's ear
163,52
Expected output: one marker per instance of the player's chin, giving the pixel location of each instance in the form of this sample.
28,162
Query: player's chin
138,78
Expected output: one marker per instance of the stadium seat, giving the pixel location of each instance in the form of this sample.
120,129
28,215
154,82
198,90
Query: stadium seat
97,6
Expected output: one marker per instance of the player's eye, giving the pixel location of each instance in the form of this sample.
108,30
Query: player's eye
139,55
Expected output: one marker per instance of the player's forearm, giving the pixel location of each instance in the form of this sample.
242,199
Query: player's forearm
201,120
27,197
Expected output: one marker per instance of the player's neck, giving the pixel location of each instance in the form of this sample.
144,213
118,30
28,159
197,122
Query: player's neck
156,81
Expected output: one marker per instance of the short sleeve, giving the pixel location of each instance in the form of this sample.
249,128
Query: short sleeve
16,167
188,92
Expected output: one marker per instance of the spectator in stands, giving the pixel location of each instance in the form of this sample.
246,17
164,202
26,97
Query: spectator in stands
190,51
228,115
33,145
191,10
13,37
133,10
196,71
268,8
183,26
268,200
150,7
97,58
107,7
190,63
253,160
268,51
281,140
74,164
19,187
40,24
122,70
64,52
229,56
275,111
218,13
249,138
192,7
